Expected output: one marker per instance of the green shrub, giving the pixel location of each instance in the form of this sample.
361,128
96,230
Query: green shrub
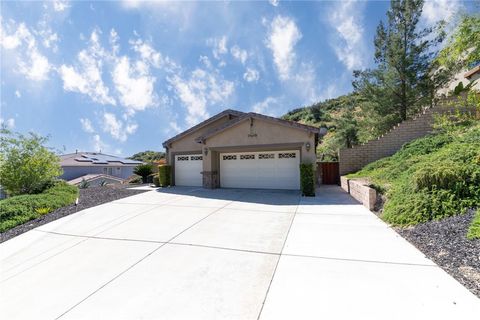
20,209
164,175
307,179
26,165
135,179
474,230
431,178
156,180
143,170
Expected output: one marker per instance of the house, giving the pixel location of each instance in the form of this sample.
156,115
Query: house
234,149
470,77
80,165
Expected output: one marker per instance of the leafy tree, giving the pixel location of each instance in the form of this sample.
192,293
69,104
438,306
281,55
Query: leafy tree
346,134
402,80
143,170
26,165
148,156
463,47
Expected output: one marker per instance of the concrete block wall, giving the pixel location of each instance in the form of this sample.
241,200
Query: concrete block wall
359,191
355,158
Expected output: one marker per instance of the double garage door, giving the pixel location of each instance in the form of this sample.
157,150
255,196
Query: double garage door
257,170
262,170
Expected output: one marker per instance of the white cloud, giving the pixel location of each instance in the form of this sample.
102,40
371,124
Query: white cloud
274,2
219,46
175,127
436,10
251,75
8,123
345,17
199,91
282,38
117,128
87,125
18,94
134,84
239,54
98,144
60,5
265,106
147,53
30,62
86,76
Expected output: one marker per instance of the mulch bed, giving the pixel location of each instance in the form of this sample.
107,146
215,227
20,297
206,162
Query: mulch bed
445,243
89,197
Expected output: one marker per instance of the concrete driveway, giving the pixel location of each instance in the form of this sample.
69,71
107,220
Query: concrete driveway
188,253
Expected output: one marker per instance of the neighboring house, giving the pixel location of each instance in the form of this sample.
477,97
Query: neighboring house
79,164
242,150
96,180
465,77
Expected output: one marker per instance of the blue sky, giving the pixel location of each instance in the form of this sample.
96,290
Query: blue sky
124,76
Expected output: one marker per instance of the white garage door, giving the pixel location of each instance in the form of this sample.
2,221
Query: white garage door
262,170
188,168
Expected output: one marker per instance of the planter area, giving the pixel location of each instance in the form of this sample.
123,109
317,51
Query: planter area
88,197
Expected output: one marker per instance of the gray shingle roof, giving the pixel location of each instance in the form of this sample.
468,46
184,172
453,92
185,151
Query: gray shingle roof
202,124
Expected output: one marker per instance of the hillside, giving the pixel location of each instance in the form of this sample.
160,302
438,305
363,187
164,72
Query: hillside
430,178
341,117
322,114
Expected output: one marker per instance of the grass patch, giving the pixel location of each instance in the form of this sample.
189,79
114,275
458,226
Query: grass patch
430,178
474,230
20,209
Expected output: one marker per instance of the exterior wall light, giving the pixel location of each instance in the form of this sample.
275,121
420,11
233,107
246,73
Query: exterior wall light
205,151
307,146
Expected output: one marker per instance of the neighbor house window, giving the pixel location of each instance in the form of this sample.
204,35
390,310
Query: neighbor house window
105,170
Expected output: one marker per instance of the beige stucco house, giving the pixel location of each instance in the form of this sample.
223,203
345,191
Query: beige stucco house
234,149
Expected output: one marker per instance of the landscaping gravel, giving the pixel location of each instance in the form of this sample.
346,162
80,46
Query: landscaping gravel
445,243
89,197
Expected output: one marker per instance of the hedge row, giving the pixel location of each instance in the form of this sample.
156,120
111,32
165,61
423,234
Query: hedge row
20,209
307,179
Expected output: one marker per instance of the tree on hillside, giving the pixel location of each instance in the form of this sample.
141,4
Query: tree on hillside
148,156
26,165
346,134
463,47
401,82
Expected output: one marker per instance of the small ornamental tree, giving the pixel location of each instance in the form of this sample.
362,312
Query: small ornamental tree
143,170
26,165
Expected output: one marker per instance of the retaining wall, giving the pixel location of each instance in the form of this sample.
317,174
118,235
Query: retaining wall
355,158
360,191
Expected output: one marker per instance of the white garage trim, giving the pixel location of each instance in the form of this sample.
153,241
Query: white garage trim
260,170
188,168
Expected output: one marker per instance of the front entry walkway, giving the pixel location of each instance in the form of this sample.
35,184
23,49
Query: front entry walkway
186,253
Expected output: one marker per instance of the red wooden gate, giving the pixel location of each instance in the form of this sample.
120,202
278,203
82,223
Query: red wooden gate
330,172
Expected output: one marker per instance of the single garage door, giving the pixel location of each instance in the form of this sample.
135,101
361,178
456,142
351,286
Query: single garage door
188,168
262,170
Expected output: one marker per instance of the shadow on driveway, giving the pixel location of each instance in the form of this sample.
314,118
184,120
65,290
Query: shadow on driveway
325,195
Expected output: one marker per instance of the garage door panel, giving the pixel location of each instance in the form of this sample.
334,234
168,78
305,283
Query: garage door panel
188,170
263,170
